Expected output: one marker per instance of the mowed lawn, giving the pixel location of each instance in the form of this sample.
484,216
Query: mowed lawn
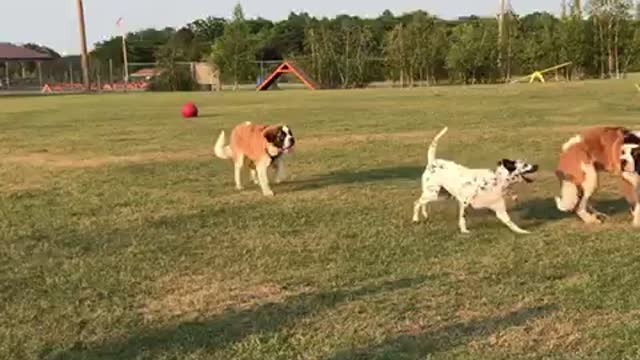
123,238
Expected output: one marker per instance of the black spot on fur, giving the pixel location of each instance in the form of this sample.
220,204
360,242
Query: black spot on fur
510,165
635,154
631,138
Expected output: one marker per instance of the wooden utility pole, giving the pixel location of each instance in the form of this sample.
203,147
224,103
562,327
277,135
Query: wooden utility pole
83,46
501,36
126,61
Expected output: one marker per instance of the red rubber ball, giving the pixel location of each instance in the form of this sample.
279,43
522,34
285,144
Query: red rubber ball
189,110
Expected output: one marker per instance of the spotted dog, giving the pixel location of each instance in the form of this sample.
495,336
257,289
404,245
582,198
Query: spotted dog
478,188
263,146
615,150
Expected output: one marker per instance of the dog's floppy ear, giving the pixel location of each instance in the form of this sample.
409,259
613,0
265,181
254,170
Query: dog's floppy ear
510,165
271,133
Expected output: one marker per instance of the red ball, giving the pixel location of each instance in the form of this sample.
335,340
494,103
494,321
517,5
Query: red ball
189,110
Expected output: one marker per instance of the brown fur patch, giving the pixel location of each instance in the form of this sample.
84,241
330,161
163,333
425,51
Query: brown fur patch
253,141
600,146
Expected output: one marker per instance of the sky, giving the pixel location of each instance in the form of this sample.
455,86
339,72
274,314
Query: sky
54,22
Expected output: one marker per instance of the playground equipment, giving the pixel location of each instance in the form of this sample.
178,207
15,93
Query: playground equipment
287,67
539,74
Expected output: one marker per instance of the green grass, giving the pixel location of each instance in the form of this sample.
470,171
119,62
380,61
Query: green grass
123,238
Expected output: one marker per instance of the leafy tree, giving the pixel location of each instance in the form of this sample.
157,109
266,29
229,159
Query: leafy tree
397,54
539,44
208,29
473,55
573,39
234,52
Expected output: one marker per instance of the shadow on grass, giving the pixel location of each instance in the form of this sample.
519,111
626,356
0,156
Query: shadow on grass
229,327
365,176
446,338
546,210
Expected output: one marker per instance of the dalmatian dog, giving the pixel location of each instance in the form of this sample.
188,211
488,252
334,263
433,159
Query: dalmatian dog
478,188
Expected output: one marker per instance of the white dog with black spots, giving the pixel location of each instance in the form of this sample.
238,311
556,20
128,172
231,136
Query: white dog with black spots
478,188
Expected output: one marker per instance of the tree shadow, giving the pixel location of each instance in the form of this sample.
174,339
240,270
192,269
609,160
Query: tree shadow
446,338
343,177
545,209
207,116
231,326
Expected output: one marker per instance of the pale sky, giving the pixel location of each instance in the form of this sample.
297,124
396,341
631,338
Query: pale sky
54,22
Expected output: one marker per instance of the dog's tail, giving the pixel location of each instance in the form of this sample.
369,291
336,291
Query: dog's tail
431,157
222,151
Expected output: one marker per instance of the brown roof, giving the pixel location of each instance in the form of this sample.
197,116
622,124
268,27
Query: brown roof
148,72
10,52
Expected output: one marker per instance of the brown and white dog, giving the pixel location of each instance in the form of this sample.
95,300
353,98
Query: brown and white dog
615,150
262,146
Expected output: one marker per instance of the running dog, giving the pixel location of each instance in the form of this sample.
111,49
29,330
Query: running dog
615,150
262,146
478,188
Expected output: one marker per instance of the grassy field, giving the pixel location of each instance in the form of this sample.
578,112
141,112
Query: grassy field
123,238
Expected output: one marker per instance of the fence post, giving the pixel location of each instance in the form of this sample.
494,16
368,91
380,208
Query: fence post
40,73
111,72
6,73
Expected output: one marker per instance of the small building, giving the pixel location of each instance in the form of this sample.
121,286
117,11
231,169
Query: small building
12,53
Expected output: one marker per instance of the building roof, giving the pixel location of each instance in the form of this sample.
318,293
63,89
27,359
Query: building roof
10,52
147,72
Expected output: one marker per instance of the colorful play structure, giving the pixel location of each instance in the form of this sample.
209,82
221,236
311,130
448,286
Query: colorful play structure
539,75
287,67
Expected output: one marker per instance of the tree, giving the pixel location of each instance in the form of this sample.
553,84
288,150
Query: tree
340,52
573,40
609,16
208,29
539,44
396,54
473,56
171,75
234,52
42,49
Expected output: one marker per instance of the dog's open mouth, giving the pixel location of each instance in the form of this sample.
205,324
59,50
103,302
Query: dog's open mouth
524,177
287,149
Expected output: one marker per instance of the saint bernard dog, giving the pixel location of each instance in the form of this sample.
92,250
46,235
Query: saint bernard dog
262,146
615,150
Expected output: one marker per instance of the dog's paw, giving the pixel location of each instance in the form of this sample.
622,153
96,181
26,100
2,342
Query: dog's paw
240,188
592,220
268,193
601,217
560,205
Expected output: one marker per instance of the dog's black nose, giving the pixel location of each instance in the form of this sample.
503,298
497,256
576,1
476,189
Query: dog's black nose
534,168
293,141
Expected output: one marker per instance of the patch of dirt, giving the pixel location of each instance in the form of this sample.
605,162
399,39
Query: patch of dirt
60,161
187,297
56,161
560,332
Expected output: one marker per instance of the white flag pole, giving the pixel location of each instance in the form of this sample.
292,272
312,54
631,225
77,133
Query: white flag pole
124,53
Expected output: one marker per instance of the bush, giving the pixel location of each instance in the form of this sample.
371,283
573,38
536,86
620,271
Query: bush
175,79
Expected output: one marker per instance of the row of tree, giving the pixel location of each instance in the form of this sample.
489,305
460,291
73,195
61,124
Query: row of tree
601,38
